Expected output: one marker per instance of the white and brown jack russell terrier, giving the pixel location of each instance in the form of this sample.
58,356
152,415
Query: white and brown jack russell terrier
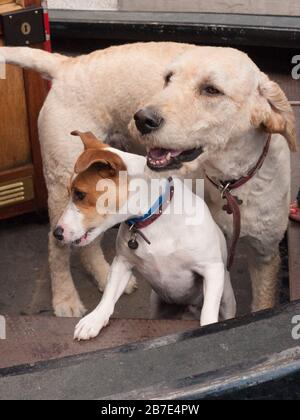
182,257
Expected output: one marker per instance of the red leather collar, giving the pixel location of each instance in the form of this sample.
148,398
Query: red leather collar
233,202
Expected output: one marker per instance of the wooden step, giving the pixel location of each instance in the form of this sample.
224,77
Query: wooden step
36,339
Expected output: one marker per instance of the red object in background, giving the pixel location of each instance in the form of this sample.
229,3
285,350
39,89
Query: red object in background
47,43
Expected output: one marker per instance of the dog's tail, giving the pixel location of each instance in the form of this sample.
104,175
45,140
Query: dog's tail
31,58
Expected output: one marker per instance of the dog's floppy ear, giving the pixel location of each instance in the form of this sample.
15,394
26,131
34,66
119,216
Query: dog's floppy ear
102,160
274,112
89,140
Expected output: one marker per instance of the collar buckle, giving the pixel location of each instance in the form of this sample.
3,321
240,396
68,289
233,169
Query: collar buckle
224,188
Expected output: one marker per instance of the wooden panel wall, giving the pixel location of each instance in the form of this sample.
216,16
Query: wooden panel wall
9,7
22,94
6,1
14,136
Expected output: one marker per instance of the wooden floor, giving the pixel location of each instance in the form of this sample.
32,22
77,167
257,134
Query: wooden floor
33,339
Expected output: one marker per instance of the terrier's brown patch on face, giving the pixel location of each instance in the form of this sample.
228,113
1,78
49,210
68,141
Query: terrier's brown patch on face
104,159
96,164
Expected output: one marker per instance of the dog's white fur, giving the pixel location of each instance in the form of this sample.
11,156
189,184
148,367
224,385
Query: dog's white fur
179,251
103,90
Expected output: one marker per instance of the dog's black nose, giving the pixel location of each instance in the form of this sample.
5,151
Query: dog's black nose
148,120
59,233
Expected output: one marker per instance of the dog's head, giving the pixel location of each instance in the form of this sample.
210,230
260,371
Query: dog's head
211,95
97,191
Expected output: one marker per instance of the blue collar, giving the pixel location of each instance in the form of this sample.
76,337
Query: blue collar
156,210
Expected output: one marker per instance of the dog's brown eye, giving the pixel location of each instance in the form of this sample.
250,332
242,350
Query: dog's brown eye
211,90
79,195
169,77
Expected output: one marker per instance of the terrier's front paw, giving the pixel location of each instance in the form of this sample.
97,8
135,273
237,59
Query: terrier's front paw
90,326
69,307
131,286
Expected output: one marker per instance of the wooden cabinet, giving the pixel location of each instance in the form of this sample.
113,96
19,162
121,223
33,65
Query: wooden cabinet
22,93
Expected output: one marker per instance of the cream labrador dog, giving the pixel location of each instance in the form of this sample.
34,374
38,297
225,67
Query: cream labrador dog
212,98
217,109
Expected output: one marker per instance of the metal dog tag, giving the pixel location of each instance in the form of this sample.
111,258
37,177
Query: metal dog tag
133,243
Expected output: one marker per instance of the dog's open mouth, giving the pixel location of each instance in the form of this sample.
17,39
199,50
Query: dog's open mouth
83,239
165,159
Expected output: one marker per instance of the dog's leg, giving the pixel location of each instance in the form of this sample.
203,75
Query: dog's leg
213,289
66,301
228,304
95,263
264,278
90,326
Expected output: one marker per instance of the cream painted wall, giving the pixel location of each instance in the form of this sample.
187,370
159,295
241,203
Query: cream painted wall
268,7
83,4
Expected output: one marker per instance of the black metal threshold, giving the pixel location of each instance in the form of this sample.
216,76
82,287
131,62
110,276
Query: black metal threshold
219,29
219,361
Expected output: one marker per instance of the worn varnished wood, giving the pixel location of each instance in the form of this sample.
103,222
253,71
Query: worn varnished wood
14,145
6,1
20,208
21,97
20,172
12,6
36,91
27,3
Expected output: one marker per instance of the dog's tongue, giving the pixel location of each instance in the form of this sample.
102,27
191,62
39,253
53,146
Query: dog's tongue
162,153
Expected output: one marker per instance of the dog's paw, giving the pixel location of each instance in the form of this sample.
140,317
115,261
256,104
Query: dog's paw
131,286
90,326
70,307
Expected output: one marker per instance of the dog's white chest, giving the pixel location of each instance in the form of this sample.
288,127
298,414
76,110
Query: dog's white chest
170,276
167,265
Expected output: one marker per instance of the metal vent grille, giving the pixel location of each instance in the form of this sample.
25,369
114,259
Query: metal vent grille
16,192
